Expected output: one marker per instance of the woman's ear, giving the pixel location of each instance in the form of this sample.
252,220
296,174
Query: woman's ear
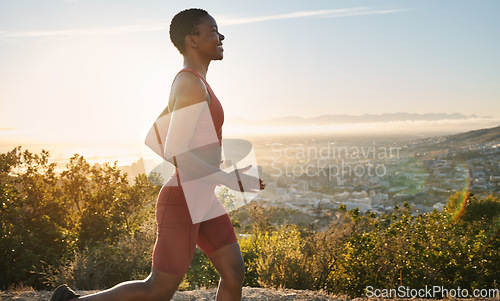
190,41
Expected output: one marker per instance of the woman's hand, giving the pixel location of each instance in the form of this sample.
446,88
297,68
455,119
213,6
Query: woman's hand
240,181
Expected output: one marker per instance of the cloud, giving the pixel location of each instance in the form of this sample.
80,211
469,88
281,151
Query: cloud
330,13
8,129
398,127
163,25
87,32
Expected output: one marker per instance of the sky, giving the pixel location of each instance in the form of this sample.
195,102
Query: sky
94,73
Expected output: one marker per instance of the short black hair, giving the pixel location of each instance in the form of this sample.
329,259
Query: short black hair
183,24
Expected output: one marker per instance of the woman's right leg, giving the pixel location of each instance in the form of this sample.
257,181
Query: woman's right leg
158,286
173,251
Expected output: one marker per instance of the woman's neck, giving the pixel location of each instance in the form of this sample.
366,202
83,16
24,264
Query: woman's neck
197,65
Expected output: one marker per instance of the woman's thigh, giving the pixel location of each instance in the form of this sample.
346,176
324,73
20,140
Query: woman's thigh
216,233
217,239
176,234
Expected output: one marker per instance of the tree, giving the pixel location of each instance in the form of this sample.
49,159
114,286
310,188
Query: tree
47,218
34,221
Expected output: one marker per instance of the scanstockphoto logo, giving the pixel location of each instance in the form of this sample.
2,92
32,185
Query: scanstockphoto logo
430,292
331,161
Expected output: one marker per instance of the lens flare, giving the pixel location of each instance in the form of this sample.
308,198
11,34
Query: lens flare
463,200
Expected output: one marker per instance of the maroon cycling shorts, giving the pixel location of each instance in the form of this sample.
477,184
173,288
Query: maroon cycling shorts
177,236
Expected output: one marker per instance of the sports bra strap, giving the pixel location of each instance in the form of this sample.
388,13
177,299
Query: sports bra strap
178,179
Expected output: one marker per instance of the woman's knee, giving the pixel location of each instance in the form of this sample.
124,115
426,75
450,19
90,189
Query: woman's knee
235,274
162,287
229,263
157,293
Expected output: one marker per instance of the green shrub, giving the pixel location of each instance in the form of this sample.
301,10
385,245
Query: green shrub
104,265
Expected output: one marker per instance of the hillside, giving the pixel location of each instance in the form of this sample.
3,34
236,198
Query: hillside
476,137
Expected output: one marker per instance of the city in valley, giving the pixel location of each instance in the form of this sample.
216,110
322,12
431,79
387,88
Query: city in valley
375,174
303,174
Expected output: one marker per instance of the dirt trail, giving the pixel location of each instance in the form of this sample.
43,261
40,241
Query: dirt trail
249,293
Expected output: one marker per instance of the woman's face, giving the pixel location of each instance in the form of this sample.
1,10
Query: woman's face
209,39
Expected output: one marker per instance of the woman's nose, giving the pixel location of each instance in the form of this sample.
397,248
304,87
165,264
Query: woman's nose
221,37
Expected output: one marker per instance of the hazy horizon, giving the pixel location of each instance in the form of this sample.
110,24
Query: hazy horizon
127,153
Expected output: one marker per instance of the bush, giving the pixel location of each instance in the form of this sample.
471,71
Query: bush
278,258
104,265
400,248
50,222
33,218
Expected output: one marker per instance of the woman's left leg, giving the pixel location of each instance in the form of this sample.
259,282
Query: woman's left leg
217,239
229,263
158,286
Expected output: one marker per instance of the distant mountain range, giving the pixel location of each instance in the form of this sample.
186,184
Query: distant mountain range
343,118
477,136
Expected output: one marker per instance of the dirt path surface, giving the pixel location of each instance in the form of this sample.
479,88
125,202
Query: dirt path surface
249,293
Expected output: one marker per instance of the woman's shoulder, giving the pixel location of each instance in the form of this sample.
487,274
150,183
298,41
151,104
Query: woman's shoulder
188,89
188,80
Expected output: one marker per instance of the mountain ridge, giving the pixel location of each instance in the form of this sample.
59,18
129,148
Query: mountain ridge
346,118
